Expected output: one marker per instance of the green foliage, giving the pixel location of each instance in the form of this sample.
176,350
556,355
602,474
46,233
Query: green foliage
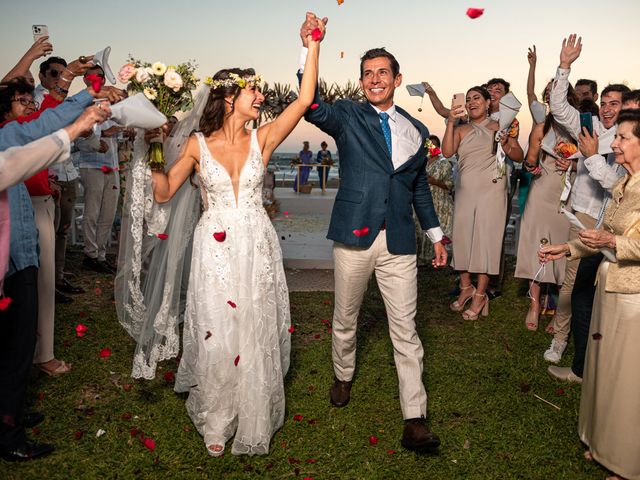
481,378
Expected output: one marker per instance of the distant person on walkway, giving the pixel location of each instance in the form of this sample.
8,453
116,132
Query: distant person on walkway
324,158
306,158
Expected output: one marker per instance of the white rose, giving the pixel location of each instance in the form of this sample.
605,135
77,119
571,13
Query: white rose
173,80
142,75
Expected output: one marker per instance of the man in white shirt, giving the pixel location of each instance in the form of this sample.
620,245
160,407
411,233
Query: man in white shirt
382,175
595,176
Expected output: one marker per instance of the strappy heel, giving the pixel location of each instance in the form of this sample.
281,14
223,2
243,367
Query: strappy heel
484,311
457,306
532,318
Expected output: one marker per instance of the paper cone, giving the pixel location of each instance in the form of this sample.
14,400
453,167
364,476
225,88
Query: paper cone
102,58
509,108
137,111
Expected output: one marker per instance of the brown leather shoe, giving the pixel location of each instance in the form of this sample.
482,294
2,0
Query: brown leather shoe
339,393
417,437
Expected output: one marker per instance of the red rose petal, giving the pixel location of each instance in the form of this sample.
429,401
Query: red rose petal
208,335
235,362
97,291
311,460
40,396
327,302
105,353
559,392
475,12
291,329
316,34
35,431
220,236
286,214
316,336
293,460
313,421
361,232
329,330
313,107
445,240
373,440
4,303
106,169
596,336
231,304
134,432
150,443
169,376
162,236
78,434
325,321
81,330
127,387
391,452
297,418
340,2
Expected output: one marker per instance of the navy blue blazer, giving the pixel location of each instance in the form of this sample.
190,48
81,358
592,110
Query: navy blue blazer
371,192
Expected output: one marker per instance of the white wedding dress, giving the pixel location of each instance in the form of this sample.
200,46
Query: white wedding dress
236,340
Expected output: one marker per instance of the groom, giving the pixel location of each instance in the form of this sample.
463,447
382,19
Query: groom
382,180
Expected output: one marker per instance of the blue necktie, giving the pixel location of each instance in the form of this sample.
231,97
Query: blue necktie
386,130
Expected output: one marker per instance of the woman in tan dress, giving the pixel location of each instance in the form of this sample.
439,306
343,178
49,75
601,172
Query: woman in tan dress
480,207
610,403
542,220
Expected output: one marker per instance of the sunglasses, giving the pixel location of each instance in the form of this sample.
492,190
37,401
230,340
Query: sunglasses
25,102
53,73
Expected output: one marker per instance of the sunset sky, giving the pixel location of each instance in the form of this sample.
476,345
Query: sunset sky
433,41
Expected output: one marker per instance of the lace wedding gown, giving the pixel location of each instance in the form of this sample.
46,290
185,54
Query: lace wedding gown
236,342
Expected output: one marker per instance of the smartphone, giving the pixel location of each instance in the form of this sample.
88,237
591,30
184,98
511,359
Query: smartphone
39,31
458,100
586,120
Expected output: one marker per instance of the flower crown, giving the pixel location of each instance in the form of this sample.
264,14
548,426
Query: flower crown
234,79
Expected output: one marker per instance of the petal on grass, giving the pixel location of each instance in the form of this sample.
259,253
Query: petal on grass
105,353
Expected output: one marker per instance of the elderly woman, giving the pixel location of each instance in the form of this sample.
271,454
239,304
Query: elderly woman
610,404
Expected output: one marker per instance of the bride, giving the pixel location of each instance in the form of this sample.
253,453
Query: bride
236,339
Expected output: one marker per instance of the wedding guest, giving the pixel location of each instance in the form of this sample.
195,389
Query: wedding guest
66,179
324,158
440,178
306,158
481,198
609,414
40,48
595,176
101,182
497,88
587,90
542,220
18,322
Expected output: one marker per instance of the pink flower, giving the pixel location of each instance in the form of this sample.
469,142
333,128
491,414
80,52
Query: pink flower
127,71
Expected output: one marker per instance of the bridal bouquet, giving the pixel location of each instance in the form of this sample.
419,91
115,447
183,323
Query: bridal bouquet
565,149
169,88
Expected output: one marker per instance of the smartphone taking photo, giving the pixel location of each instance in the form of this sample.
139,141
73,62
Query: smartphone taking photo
586,120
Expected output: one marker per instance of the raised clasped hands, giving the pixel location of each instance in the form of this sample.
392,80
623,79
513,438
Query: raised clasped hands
310,23
570,51
587,143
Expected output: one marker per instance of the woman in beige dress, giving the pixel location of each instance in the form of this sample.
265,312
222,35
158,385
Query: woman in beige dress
610,403
542,220
480,207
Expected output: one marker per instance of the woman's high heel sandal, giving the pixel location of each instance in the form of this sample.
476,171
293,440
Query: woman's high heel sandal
215,450
484,309
457,306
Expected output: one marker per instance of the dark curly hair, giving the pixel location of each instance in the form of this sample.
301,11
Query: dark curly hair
8,91
214,111
481,90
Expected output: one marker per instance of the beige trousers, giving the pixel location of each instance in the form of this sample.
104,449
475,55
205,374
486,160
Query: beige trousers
562,318
100,203
44,209
396,277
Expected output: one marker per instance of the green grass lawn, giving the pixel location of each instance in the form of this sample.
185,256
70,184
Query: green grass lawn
481,378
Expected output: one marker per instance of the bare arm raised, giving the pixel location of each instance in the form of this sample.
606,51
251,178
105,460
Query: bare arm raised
165,185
